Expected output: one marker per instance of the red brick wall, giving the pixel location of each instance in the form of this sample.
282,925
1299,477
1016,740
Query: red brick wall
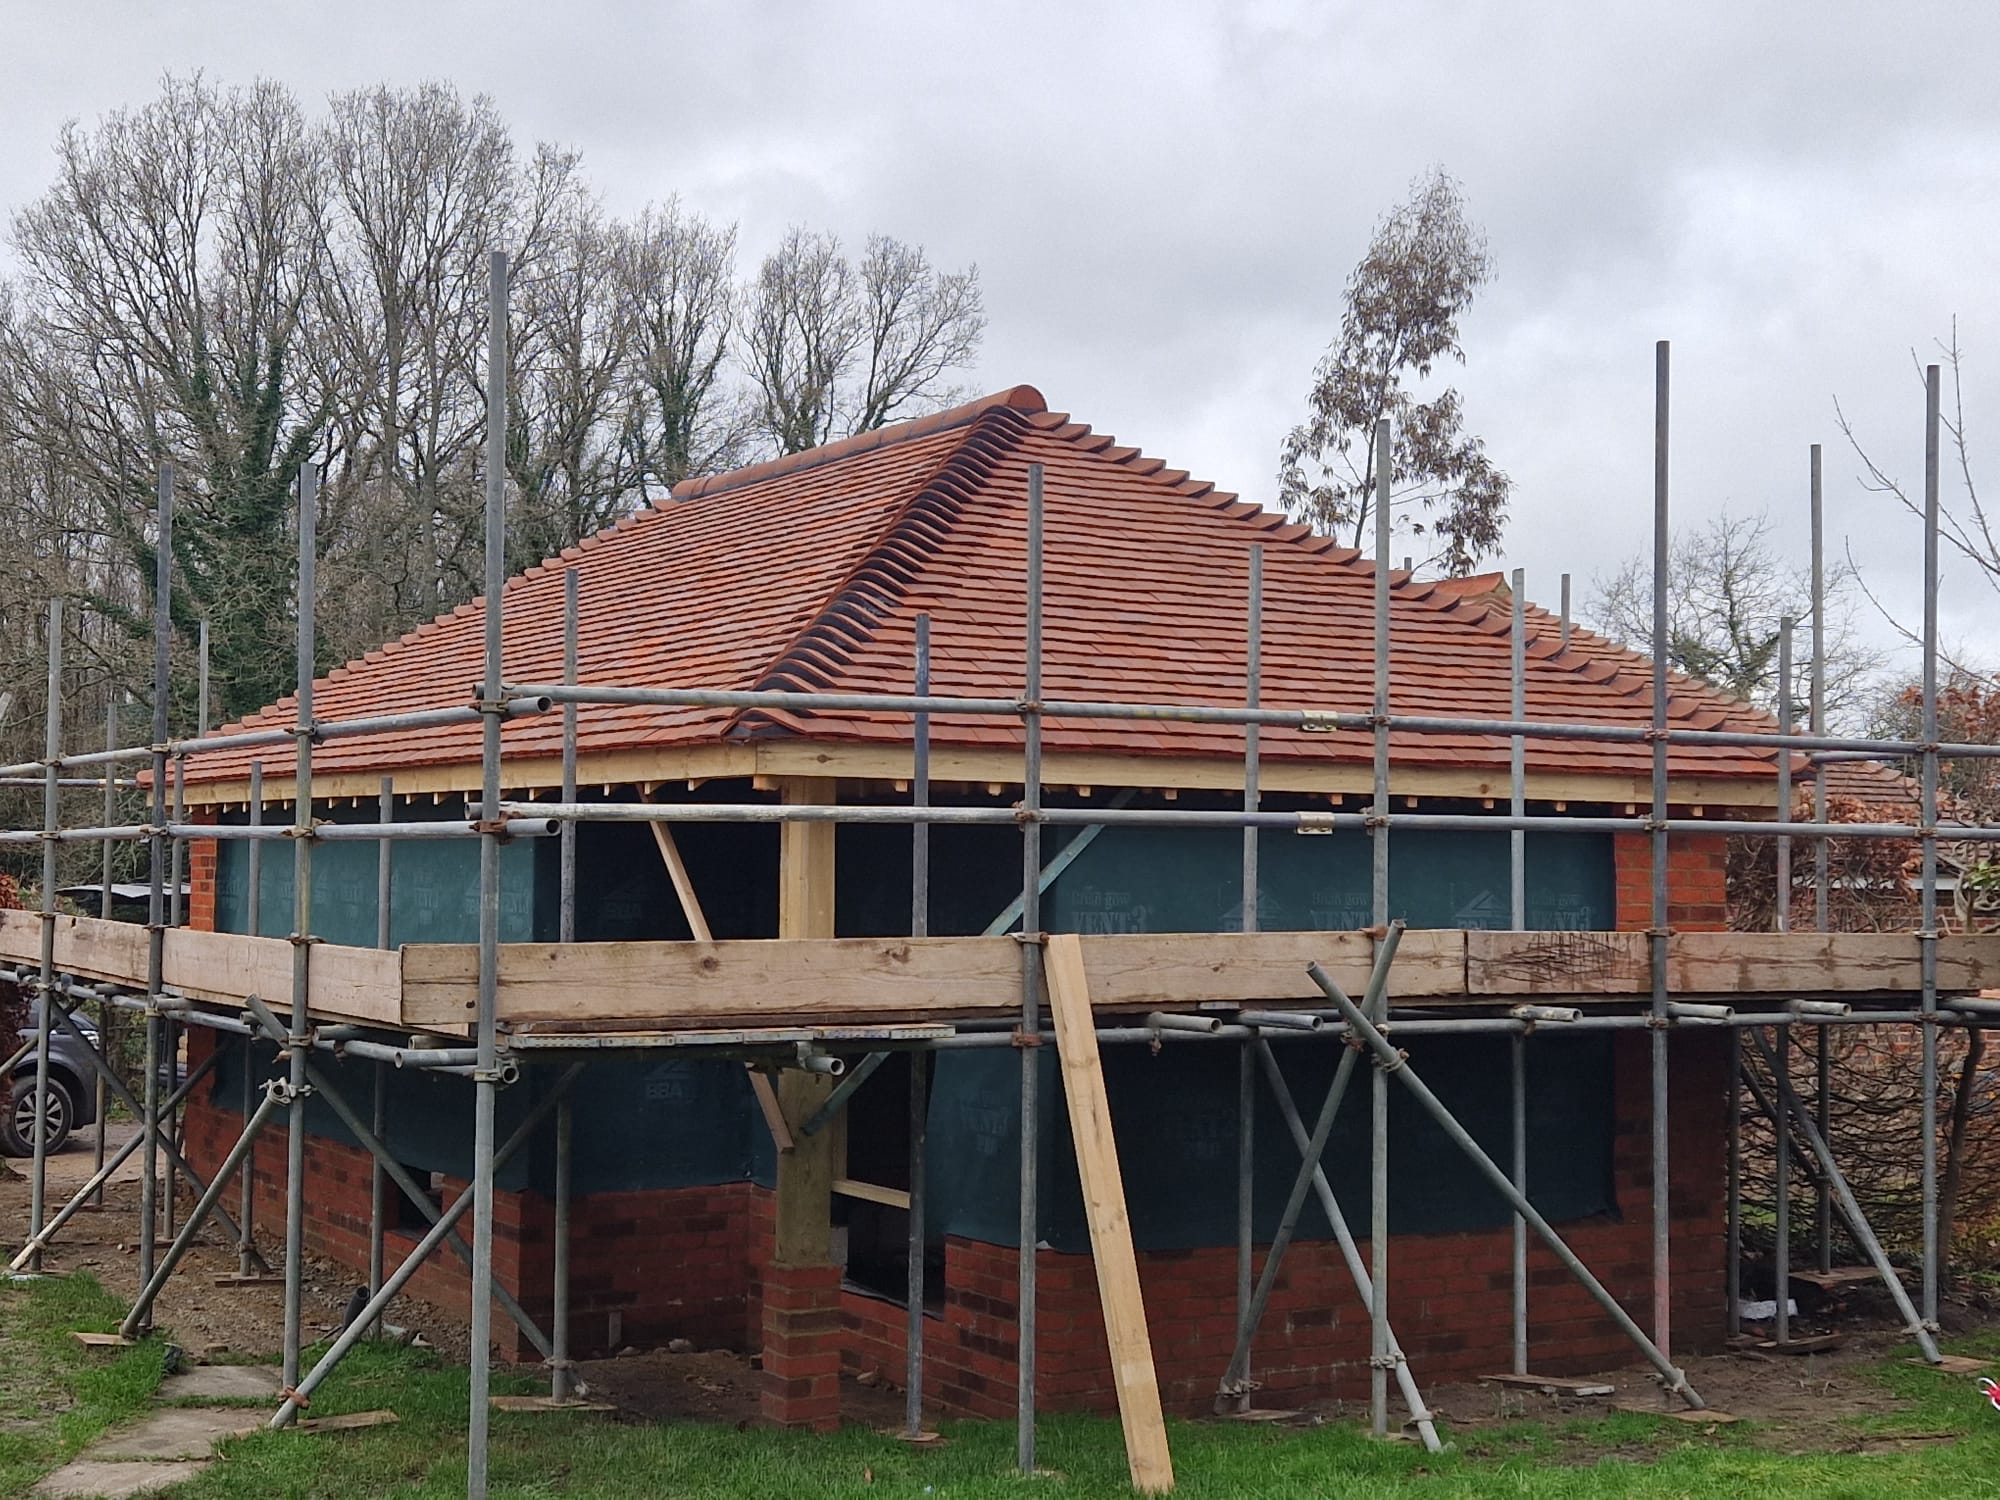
1450,1294
1697,882
695,1263
662,1264
201,875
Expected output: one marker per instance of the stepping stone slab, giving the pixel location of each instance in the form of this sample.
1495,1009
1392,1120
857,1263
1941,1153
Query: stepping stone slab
224,1382
177,1432
93,1477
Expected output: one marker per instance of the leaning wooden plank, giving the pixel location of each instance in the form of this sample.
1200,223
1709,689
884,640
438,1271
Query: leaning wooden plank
1110,1230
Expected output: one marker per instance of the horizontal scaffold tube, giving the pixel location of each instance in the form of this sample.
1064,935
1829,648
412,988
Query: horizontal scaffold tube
128,833
1177,817
248,739
1275,718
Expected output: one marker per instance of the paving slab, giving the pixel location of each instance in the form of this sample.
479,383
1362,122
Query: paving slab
87,1477
177,1432
223,1382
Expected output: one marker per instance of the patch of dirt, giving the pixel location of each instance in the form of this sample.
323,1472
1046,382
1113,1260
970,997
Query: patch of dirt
1801,1403
205,1319
718,1385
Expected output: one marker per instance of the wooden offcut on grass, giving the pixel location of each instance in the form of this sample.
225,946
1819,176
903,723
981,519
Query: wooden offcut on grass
54,1396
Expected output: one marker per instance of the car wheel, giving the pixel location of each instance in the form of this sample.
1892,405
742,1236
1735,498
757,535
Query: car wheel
17,1124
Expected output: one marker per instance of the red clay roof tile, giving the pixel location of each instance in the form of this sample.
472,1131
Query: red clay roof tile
809,572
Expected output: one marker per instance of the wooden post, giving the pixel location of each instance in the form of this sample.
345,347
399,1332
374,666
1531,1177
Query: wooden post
805,910
1110,1229
801,1291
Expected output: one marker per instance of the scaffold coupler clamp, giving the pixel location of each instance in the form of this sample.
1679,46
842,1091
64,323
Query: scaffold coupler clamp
1236,1393
1387,1361
282,1092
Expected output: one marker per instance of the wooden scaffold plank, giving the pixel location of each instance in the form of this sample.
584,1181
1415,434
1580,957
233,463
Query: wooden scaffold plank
1111,1247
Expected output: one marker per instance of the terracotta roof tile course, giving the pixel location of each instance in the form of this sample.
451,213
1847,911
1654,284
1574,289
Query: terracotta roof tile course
809,573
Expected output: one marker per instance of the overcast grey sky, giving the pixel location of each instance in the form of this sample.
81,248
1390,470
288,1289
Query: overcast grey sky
1164,200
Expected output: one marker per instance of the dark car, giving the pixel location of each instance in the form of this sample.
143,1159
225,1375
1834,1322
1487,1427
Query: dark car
72,1088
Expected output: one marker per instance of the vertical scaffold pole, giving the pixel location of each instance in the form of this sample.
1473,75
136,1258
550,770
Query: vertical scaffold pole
559,1376
156,855
1822,856
920,926
1378,1100
106,1012
1927,937
1782,919
1783,908
1732,1274
253,914
301,935
1662,543
561,1385
485,1084
1517,873
46,989
1031,982
378,1183
566,873
1246,1065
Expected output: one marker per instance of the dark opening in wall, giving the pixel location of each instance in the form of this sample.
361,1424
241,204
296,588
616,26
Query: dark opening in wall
878,1155
407,1216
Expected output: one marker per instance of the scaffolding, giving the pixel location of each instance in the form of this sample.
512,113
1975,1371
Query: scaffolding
153,972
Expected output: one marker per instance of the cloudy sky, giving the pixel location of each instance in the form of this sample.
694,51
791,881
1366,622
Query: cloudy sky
1164,200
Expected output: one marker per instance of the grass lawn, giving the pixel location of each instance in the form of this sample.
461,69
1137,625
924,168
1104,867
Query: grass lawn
54,1397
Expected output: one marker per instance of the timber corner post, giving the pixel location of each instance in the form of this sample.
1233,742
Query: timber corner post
801,1303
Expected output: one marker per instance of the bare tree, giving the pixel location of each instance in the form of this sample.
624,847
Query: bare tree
170,265
217,281
1423,267
1727,592
1963,524
423,182
672,273
834,348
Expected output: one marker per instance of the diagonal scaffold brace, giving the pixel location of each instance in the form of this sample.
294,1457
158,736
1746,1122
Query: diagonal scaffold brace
423,1250
1406,1380
1393,1064
140,1317
175,1160
1236,1384
42,1239
399,1174
1850,1208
